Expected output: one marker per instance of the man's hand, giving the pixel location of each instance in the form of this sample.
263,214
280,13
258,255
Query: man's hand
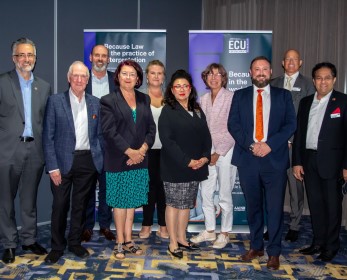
261,149
55,177
298,172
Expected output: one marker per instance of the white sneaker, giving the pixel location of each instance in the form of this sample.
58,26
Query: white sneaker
204,236
221,242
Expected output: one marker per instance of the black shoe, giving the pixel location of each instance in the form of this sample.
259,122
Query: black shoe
9,255
266,236
176,253
190,247
86,235
326,255
292,235
53,256
79,251
313,249
36,248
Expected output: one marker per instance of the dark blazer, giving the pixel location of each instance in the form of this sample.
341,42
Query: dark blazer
12,113
121,132
282,124
111,84
59,138
332,139
183,138
302,87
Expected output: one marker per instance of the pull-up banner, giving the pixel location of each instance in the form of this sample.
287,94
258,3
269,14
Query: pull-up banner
139,45
235,51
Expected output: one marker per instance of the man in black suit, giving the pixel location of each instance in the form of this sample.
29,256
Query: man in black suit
23,98
101,82
320,159
299,86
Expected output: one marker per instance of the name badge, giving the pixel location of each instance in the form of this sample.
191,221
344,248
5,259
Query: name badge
334,116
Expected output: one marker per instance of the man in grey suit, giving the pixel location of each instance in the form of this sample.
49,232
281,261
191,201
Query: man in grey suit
72,143
23,99
299,86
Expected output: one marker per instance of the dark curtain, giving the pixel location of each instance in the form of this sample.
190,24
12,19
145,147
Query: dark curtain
316,28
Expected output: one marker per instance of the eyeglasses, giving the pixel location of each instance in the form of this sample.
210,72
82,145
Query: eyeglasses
76,77
130,75
217,75
179,87
100,55
321,79
24,55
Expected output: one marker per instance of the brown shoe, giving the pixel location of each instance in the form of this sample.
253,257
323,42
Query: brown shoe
251,254
86,235
107,233
273,263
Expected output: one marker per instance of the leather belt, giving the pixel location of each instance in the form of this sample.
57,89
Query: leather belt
311,150
26,138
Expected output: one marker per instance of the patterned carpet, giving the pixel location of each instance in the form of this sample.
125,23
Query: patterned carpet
155,263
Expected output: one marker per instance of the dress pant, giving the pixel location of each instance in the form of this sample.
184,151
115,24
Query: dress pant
104,211
80,179
257,180
221,178
296,197
325,203
20,176
156,194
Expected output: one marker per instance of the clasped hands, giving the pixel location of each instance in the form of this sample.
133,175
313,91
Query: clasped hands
136,156
197,163
261,149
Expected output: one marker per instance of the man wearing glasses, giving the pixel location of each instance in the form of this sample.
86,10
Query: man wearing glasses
72,148
23,99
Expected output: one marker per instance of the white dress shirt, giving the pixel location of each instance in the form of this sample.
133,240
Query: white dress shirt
80,119
266,110
315,120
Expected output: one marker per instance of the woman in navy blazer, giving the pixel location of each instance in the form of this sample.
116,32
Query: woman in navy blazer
129,131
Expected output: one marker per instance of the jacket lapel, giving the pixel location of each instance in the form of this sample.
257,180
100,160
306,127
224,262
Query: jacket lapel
125,110
67,108
17,92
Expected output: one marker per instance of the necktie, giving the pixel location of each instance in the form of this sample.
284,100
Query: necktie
259,128
288,85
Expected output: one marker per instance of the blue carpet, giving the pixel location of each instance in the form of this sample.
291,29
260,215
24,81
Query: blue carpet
155,263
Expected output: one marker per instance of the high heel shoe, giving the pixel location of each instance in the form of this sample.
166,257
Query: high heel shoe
178,253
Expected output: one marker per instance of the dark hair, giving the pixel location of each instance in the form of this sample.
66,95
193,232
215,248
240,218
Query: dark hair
155,62
22,41
170,99
324,65
108,51
136,66
259,58
220,69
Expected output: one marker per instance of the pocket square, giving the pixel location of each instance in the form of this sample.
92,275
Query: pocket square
335,113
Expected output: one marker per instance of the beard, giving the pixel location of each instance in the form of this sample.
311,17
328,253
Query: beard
260,84
26,67
99,69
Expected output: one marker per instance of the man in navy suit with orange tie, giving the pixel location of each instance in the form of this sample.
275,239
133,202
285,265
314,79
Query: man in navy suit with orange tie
261,120
320,158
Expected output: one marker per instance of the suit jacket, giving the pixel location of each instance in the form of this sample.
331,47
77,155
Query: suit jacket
183,138
12,113
121,132
282,124
59,138
332,139
111,84
302,87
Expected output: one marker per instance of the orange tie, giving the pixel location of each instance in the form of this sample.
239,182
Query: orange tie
259,130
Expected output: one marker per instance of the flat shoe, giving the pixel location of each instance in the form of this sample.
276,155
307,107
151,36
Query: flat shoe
176,253
144,234
190,247
162,235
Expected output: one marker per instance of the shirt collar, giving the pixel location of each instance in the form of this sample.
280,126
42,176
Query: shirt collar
266,89
95,78
74,97
294,76
324,98
22,80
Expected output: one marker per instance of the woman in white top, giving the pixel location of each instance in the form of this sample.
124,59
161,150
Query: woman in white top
155,72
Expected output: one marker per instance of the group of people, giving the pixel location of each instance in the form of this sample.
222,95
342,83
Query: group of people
156,150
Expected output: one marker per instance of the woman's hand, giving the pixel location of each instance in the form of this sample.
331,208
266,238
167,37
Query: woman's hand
135,156
196,164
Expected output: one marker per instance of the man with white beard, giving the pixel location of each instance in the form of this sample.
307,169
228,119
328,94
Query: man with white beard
100,84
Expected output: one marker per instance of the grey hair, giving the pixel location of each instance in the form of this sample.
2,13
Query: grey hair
75,63
22,41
